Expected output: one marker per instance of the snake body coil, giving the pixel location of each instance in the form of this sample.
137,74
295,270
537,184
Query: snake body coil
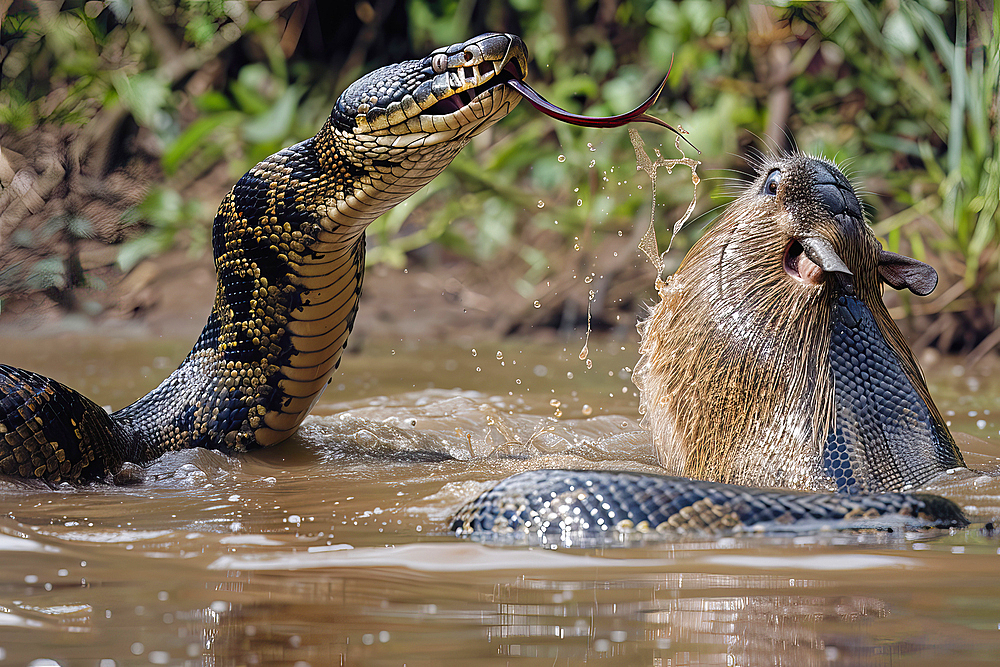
558,505
289,252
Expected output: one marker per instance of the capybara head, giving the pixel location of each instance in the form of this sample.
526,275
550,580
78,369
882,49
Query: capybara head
771,359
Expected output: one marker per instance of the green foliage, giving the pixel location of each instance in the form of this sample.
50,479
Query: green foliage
169,216
905,92
46,52
67,67
543,178
928,123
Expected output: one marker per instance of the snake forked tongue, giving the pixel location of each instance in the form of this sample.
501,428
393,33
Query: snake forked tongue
637,115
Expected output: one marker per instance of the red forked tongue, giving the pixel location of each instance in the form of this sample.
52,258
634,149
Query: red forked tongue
634,116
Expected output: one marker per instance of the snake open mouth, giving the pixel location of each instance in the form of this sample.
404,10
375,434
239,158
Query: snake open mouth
799,266
452,103
512,75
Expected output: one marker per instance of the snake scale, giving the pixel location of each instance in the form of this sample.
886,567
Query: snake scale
289,249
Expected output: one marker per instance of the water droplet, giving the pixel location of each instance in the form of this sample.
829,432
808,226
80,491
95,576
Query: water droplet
586,410
589,279
499,354
474,352
591,147
593,163
541,204
555,402
576,246
584,352
537,304
561,158
579,202
590,363
569,375
518,380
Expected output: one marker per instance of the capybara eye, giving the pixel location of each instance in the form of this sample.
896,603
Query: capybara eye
771,184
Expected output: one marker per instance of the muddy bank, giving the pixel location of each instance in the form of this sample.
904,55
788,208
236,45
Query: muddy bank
171,295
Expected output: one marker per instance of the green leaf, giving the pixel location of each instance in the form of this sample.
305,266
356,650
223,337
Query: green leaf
143,94
134,251
276,123
899,32
192,139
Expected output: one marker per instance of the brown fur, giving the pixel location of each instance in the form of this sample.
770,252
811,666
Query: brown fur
734,375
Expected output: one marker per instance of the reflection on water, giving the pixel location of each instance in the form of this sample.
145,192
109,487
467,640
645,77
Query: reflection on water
331,550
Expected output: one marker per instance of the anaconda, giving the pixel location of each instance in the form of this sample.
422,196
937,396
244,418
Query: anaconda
289,252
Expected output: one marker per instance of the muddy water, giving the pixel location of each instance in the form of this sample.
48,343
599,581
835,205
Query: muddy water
331,549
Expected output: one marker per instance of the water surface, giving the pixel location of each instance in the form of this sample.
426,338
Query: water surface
331,548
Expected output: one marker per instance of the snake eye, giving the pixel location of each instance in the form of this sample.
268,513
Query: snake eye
770,188
439,63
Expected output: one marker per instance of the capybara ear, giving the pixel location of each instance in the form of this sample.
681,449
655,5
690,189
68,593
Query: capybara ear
900,271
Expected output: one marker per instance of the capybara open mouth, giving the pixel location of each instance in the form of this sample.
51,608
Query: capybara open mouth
800,267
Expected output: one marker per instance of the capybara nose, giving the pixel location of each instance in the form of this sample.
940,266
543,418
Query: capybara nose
835,191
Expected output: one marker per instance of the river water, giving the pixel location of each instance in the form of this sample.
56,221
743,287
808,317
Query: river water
330,549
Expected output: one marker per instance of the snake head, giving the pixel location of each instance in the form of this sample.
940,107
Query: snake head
451,95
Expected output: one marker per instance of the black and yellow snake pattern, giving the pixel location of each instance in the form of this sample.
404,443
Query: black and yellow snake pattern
289,251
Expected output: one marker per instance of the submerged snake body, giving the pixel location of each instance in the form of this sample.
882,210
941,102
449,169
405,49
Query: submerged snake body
575,504
289,252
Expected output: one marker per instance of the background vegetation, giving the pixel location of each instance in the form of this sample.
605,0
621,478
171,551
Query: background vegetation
124,121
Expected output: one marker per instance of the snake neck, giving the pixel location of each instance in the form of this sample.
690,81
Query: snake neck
289,252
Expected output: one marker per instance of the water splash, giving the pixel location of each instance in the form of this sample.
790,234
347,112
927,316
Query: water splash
643,162
585,351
